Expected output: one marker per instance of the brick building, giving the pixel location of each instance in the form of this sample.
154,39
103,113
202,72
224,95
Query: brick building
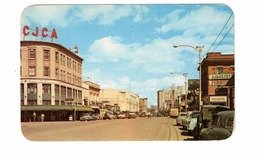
217,74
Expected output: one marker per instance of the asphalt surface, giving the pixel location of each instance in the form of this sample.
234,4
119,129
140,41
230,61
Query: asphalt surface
138,129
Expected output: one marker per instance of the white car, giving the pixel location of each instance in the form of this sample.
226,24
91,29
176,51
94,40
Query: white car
188,116
180,117
192,122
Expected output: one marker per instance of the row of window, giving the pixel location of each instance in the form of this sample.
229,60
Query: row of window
32,71
59,75
71,64
64,92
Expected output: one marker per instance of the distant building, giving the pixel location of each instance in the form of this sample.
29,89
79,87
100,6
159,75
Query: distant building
122,100
93,96
143,105
165,99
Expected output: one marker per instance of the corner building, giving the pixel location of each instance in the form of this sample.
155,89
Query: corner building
51,80
218,72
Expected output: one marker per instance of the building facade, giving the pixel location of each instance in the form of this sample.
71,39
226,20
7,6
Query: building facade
93,94
143,105
122,100
216,71
51,80
165,100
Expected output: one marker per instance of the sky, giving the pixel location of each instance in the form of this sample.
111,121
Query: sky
130,47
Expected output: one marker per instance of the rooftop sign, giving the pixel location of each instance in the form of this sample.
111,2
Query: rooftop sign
44,32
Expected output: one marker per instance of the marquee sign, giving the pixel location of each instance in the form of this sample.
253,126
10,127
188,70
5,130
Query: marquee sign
44,32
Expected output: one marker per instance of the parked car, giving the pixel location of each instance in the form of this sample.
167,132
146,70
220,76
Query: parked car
120,116
187,117
180,117
86,116
192,121
143,114
96,116
205,118
109,115
131,115
221,128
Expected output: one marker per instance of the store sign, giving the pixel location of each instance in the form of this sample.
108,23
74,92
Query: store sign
218,98
44,32
220,76
218,82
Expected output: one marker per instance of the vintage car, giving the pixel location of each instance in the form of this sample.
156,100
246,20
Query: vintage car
131,115
205,118
188,116
192,122
222,127
180,117
108,115
86,117
120,116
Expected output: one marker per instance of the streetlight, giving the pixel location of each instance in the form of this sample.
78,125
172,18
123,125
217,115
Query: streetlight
198,49
185,83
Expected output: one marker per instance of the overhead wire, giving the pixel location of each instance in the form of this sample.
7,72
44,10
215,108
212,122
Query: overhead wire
219,34
215,41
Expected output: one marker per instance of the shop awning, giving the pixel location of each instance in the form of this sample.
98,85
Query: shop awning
86,109
54,108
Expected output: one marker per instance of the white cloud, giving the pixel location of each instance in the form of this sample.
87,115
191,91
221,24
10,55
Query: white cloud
156,56
206,20
43,15
63,15
108,49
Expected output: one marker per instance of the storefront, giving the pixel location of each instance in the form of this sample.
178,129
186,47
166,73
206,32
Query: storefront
52,113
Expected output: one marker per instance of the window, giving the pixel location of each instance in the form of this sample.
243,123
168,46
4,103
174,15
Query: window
62,59
32,71
46,88
32,88
68,62
57,89
219,69
46,71
57,57
46,54
57,73
32,53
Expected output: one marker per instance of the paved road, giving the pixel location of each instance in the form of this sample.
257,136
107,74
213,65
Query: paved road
139,129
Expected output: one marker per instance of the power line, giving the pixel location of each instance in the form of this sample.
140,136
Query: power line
223,37
219,34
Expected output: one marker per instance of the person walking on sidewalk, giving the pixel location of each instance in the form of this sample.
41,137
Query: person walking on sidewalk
34,116
42,117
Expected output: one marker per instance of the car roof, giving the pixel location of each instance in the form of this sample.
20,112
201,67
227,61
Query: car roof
226,114
216,107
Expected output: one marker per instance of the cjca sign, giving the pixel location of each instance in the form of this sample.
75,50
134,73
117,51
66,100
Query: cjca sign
44,32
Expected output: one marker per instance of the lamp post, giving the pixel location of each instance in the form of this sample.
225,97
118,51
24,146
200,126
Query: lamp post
185,83
198,49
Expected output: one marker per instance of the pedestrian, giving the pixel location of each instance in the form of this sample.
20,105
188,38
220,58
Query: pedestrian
34,116
42,117
149,115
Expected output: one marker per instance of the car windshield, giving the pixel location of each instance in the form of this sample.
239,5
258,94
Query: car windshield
194,115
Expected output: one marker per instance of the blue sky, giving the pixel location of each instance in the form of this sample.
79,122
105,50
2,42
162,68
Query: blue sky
130,47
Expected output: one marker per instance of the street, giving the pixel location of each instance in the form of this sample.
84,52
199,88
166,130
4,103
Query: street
138,129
